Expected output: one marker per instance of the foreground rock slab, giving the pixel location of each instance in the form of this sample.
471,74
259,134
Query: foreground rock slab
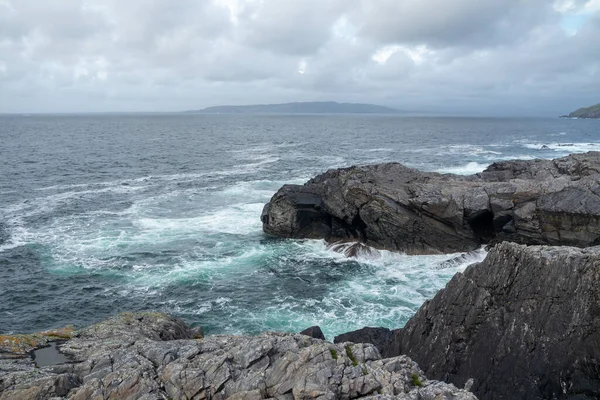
524,324
154,356
390,206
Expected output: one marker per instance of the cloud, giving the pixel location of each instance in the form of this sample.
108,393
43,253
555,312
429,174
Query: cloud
441,23
458,56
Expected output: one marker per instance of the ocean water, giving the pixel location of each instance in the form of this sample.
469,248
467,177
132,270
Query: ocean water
107,213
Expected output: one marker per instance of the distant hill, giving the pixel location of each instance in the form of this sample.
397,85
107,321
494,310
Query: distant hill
324,107
588,112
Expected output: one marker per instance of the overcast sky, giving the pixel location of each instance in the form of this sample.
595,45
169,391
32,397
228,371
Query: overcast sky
469,57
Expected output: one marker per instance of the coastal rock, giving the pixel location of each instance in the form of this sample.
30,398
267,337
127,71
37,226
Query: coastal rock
524,323
314,332
379,337
390,206
152,356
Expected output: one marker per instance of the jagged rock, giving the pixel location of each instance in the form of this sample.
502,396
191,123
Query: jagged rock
393,207
379,337
524,323
151,356
353,249
314,332
465,260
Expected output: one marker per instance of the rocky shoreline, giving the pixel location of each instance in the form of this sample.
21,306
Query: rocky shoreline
522,324
153,356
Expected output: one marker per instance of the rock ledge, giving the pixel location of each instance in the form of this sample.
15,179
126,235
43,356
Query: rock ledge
153,356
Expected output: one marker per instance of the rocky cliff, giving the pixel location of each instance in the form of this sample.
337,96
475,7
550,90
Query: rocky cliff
153,356
393,207
524,324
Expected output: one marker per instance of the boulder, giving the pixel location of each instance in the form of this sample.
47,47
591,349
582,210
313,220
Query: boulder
524,324
314,332
390,206
153,356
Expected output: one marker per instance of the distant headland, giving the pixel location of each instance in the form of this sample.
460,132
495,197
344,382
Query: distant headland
315,107
588,112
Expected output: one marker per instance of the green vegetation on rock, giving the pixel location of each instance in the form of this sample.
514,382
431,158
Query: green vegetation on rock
351,356
588,112
334,354
416,381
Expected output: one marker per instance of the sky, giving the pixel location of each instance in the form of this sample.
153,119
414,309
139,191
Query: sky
458,57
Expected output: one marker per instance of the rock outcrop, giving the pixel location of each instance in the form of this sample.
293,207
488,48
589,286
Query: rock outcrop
153,356
524,323
390,206
314,332
381,338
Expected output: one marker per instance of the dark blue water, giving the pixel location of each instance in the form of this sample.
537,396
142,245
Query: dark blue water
102,214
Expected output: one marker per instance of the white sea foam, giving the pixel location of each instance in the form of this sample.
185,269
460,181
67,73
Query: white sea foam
395,286
380,150
565,148
144,181
467,149
266,148
238,219
511,157
467,169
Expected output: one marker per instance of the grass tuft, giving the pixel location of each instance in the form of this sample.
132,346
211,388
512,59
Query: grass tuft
351,356
414,378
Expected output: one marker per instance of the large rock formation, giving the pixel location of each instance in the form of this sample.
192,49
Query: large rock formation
390,206
524,323
153,356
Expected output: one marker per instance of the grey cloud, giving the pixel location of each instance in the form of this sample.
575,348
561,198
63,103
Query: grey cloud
441,23
290,27
477,56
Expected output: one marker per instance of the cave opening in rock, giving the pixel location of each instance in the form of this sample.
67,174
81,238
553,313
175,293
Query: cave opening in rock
359,228
482,223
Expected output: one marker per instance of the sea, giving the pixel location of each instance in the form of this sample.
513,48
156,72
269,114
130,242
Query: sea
101,214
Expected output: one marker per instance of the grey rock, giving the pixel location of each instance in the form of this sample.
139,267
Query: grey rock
379,337
390,206
524,324
153,356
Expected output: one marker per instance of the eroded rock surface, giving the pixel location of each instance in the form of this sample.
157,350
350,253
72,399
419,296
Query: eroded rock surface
153,356
524,323
390,206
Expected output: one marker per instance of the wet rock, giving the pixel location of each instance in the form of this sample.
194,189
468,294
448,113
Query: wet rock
462,260
390,206
314,332
524,324
152,356
354,250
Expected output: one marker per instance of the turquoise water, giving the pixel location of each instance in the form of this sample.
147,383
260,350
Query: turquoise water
102,214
